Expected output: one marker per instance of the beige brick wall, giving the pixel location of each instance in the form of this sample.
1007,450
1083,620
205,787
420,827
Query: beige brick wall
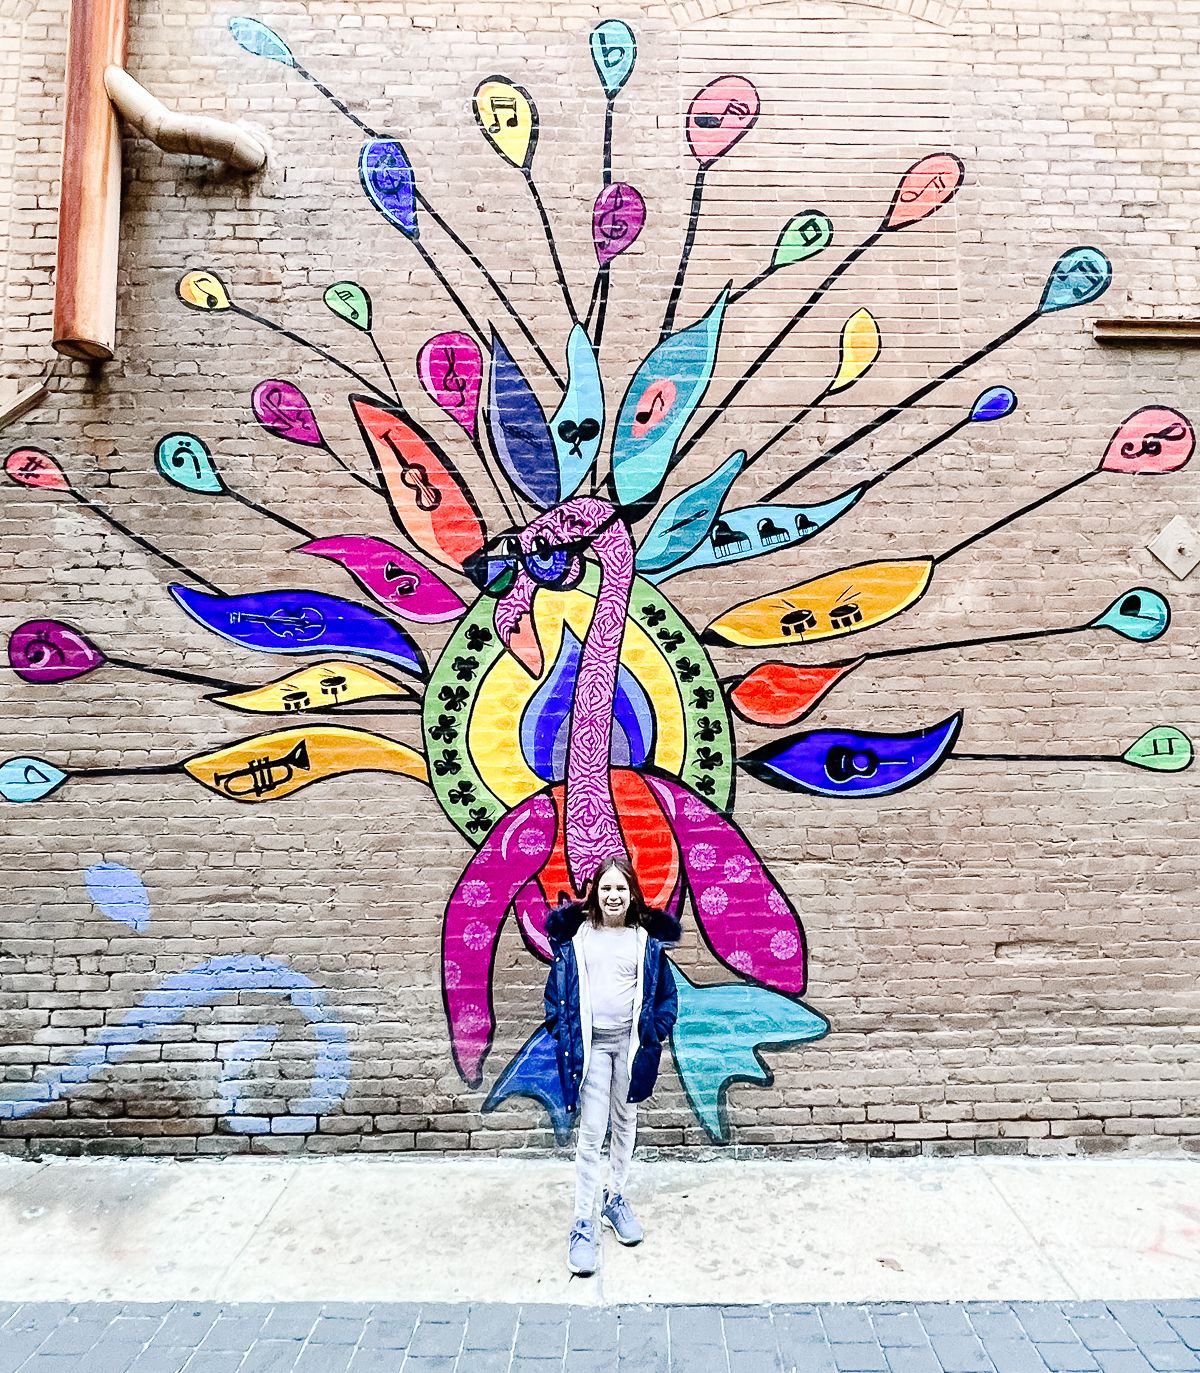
1008,952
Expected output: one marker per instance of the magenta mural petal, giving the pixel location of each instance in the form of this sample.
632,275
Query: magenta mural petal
617,219
746,920
283,409
394,578
450,367
531,912
45,651
511,857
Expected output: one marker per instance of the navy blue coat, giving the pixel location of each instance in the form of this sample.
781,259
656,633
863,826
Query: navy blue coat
660,1002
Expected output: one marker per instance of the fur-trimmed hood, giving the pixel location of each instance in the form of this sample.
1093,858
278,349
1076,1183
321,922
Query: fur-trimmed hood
564,920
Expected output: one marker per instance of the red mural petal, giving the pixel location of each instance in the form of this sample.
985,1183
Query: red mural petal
428,498
781,693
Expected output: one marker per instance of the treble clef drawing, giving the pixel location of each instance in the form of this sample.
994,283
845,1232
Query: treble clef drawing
453,383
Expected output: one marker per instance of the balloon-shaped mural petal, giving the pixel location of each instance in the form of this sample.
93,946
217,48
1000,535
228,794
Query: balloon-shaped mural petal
925,187
508,117
1161,749
29,779
323,686
1139,614
841,762
777,694
256,38
842,602
428,498
720,115
283,409
684,522
271,766
754,530
1077,278
719,1036
291,621
804,236
33,468
118,893
186,461
618,217
577,426
389,574
860,348
203,290
533,1072
993,404
614,51
450,368
521,437
387,177
46,651
350,301
662,397
1153,439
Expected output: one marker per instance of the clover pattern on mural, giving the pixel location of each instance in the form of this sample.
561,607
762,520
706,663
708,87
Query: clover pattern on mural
574,711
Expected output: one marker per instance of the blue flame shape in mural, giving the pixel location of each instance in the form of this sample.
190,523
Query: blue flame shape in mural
533,1072
843,762
301,622
202,986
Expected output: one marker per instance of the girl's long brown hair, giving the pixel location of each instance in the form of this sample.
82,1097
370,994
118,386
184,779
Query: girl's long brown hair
638,910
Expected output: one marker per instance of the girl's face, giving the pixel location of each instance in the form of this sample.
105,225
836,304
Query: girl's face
613,897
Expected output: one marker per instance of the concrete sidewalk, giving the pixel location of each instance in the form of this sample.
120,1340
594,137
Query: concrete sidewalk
726,1232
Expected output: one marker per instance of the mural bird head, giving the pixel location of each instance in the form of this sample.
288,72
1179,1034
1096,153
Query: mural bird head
550,553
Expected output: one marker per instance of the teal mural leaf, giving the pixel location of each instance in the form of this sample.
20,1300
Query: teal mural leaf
718,1037
256,38
578,424
662,397
683,523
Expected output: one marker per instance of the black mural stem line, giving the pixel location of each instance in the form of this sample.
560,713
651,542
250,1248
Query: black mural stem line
1038,757
481,452
918,453
458,302
1016,515
177,674
316,348
371,486
886,416
798,418
270,514
766,351
148,770
335,102
606,156
548,231
601,310
685,254
386,369
753,282
143,543
1019,636
474,259
593,300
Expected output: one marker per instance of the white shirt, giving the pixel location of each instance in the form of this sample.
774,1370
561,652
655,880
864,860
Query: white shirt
611,957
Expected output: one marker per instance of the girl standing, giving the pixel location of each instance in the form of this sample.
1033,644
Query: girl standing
610,1004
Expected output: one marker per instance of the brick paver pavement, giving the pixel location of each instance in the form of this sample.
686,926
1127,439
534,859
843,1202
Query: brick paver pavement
974,1337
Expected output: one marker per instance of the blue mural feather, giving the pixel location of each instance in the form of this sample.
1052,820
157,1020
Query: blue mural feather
387,177
718,1036
301,622
683,523
119,893
520,435
843,762
202,986
662,397
753,530
533,1072
578,424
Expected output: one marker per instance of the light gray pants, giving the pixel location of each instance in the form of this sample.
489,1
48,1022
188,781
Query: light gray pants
603,1099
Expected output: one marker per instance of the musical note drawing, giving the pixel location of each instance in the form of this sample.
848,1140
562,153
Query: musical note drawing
654,406
1152,445
611,54
618,217
738,108
937,182
503,104
415,476
283,409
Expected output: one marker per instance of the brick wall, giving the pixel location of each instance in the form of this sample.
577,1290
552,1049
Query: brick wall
1007,952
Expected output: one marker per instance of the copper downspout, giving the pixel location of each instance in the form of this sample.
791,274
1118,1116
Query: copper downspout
89,213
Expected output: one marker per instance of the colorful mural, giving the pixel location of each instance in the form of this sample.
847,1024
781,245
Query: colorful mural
574,712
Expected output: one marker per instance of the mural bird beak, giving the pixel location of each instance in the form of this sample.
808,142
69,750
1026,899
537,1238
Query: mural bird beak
523,643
